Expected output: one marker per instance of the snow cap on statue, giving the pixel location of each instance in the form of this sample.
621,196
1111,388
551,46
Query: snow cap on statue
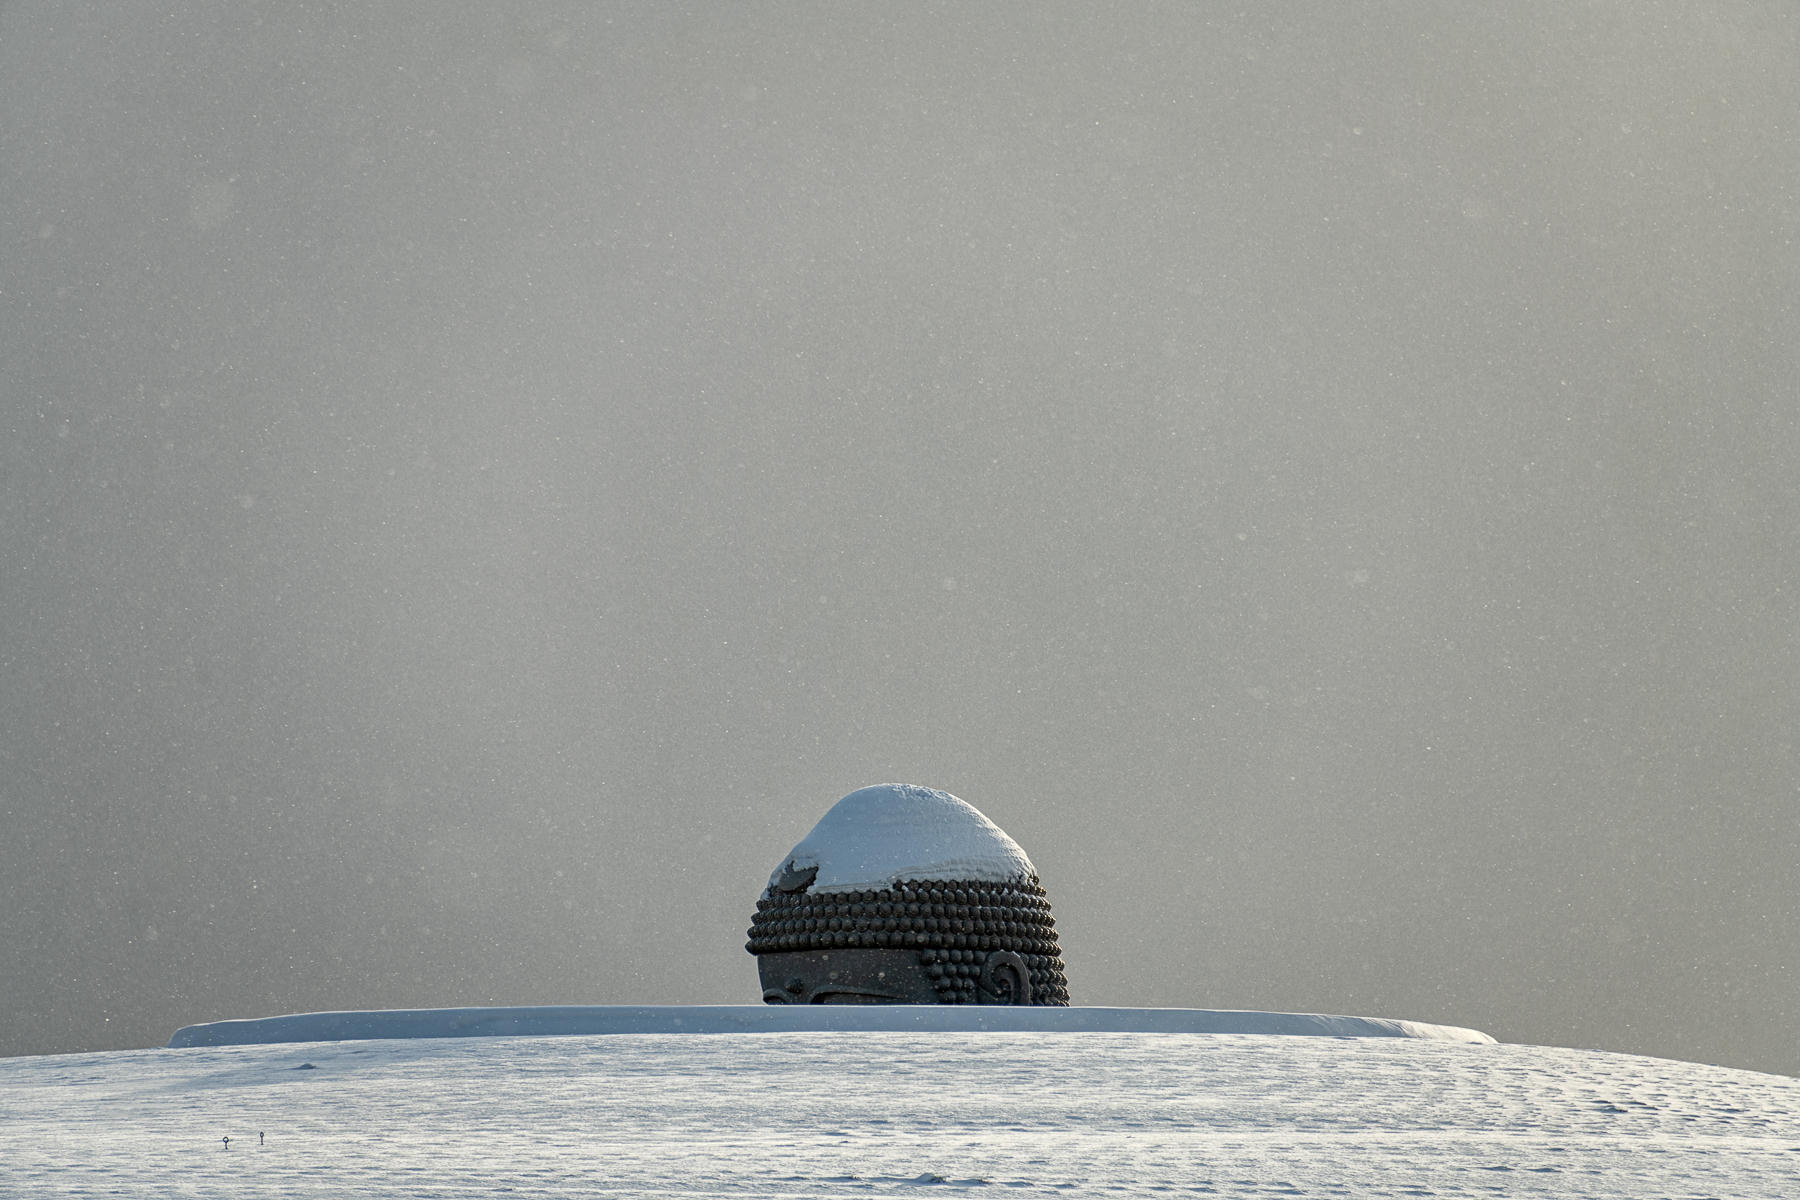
877,836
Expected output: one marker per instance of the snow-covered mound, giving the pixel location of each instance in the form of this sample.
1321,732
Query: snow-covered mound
893,1114
783,1018
877,836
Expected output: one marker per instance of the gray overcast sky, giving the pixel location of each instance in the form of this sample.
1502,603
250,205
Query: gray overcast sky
477,483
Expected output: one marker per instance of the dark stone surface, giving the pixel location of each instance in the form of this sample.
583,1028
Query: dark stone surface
919,942
845,977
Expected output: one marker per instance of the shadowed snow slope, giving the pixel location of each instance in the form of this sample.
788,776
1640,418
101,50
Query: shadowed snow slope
782,1018
893,1114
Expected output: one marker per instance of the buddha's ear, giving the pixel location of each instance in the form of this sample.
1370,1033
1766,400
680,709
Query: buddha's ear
1005,979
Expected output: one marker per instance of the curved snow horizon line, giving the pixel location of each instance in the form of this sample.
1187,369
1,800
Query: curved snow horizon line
575,1020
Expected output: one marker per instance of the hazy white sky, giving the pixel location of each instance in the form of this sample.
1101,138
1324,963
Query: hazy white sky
476,486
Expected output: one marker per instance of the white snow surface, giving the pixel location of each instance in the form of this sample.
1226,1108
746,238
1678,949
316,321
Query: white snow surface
572,1019
877,836
871,1114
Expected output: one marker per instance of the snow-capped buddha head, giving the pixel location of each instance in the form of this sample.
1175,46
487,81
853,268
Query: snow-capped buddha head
906,895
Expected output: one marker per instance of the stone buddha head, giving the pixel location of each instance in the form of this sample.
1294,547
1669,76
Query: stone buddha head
906,895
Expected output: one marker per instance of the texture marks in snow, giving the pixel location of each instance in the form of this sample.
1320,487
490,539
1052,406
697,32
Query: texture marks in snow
883,1114
877,836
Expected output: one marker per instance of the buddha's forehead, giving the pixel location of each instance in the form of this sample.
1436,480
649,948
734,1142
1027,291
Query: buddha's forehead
844,976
